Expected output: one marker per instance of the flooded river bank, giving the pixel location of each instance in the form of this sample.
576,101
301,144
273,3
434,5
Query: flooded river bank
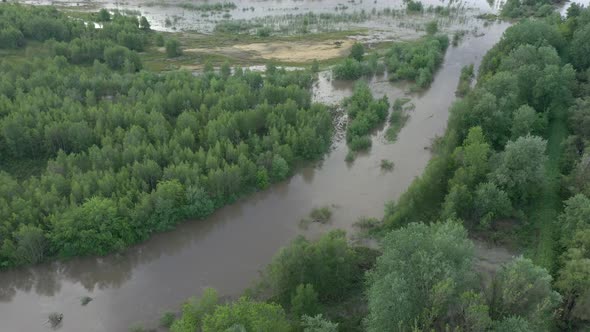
227,250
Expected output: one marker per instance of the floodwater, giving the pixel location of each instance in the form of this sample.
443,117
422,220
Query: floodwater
228,250
274,13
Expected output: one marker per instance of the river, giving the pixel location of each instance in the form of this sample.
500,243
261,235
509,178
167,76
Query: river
229,249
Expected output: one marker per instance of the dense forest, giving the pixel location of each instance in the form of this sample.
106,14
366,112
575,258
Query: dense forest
97,155
512,169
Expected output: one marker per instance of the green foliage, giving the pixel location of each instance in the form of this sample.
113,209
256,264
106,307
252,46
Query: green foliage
30,244
524,289
575,217
386,165
317,324
364,114
521,169
526,8
321,214
417,61
304,301
420,276
167,319
103,15
357,52
328,265
251,315
414,6
160,40
465,80
127,153
513,324
432,28
195,311
173,48
350,69
144,24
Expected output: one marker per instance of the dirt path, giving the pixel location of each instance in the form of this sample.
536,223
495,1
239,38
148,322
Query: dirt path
489,258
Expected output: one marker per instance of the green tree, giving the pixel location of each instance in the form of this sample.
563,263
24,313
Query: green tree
490,203
93,228
513,324
318,324
194,311
357,51
574,278
159,40
328,265
251,315
580,48
575,217
144,24
104,15
432,27
173,48
30,244
305,301
526,122
521,288
418,280
521,170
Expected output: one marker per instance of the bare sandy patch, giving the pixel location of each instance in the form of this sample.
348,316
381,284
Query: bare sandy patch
299,51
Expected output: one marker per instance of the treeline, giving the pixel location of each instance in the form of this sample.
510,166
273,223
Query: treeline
513,163
115,42
95,159
415,61
309,286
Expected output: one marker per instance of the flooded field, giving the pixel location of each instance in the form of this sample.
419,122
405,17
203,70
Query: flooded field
289,16
227,250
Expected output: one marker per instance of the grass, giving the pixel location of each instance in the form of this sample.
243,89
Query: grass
156,60
545,209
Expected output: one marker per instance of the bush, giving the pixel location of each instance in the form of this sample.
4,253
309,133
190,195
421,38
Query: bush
173,48
350,69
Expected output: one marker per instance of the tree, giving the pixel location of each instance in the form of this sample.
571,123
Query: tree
575,217
521,169
432,27
521,288
574,278
304,301
194,311
318,324
198,203
526,122
513,324
30,244
580,48
328,265
357,51
173,48
144,24
104,15
159,40
279,169
420,276
490,203
95,227
251,315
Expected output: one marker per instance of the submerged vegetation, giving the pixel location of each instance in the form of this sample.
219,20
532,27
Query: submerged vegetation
365,113
417,61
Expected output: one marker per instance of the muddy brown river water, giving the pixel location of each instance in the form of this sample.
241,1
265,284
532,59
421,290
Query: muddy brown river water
228,250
